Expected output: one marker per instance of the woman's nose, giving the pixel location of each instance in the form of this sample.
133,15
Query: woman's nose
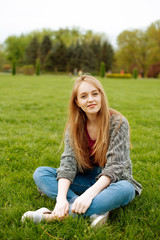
90,98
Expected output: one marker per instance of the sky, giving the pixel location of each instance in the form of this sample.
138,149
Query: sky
110,17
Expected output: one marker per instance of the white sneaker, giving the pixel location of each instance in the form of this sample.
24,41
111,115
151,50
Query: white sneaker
99,220
35,216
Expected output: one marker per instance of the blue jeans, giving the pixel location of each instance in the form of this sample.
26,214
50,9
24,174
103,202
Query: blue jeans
115,195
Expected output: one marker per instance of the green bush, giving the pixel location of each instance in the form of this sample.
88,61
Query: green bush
102,69
13,67
37,67
135,73
119,75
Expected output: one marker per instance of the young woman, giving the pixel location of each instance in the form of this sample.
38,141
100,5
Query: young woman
95,173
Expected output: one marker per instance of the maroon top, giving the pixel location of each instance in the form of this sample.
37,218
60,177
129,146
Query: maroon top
90,141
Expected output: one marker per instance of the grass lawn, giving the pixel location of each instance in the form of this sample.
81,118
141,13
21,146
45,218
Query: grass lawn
33,112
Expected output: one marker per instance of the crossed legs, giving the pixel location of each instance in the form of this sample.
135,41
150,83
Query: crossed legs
115,195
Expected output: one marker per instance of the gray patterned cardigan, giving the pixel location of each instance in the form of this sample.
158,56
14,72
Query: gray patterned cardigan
118,165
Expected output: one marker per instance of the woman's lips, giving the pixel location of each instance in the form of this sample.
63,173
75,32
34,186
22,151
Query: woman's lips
91,105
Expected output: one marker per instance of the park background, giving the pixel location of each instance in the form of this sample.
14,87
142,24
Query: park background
73,36
41,53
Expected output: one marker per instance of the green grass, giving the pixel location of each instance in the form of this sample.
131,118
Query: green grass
33,112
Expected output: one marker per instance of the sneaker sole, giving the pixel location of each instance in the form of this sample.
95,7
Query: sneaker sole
100,220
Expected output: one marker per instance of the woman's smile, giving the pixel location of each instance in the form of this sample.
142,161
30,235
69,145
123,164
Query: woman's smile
91,105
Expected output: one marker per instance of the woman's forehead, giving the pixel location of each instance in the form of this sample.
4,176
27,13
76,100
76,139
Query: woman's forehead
86,87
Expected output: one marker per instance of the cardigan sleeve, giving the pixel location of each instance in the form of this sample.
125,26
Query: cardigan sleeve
68,163
118,155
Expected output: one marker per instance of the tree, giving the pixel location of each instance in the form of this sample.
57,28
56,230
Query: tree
60,57
106,55
2,57
49,61
82,57
88,61
41,34
153,33
57,58
68,37
32,51
132,51
95,46
15,48
45,47
62,50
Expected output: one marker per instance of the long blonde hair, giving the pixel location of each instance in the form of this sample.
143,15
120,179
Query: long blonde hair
76,126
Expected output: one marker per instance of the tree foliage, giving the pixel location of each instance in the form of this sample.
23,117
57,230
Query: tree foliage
2,57
86,55
138,49
153,33
57,58
62,50
70,49
32,51
45,47
106,55
68,37
15,48
132,51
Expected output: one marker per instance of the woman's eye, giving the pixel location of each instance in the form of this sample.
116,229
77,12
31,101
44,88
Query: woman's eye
96,93
83,96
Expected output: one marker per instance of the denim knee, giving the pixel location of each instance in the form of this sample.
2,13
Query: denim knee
42,172
130,191
37,173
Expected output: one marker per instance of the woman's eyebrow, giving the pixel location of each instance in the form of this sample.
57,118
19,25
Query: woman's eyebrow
95,90
83,93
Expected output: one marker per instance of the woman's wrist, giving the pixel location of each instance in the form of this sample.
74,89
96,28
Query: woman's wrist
61,198
90,193
103,182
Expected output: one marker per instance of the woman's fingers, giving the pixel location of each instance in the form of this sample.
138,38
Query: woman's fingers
61,211
81,204
67,209
78,208
58,213
61,208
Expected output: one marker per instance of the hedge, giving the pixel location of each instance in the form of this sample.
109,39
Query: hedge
119,75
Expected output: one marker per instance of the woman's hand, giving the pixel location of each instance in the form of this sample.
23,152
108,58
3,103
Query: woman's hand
62,205
81,204
61,209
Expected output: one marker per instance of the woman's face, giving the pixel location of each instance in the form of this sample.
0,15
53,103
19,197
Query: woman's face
88,98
